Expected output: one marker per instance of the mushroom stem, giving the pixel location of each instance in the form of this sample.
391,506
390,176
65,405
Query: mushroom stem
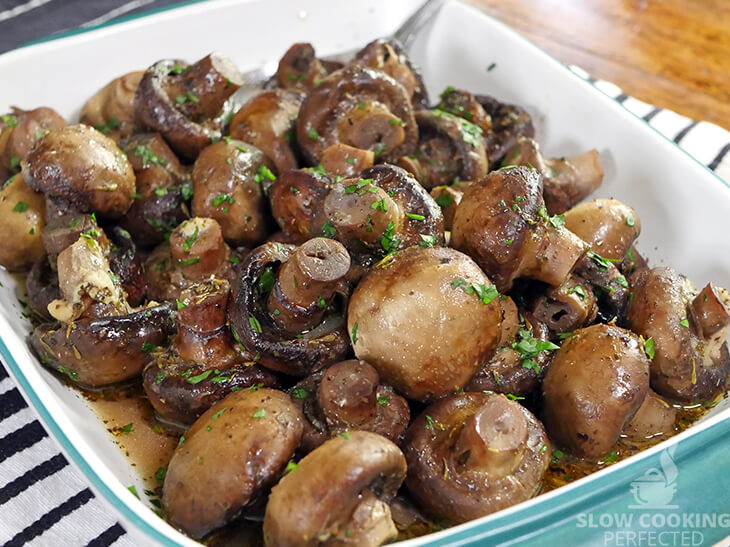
711,310
347,393
306,284
346,161
370,125
370,525
202,307
567,307
197,247
550,253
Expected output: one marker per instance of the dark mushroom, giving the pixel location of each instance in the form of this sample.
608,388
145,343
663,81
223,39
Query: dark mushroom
426,320
42,288
472,454
229,458
594,386
465,105
297,202
655,418
345,161
361,107
607,283
501,222
569,306
126,264
338,494
690,361
63,228
111,109
181,101
300,69
509,123
21,130
22,213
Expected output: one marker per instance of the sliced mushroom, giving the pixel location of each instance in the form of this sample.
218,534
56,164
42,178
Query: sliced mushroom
338,493
361,107
501,222
472,454
21,130
22,213
426,320
229,458
111,109
297,202
688,334
594,386
509,123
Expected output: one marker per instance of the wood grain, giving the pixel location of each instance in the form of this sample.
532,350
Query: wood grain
671,53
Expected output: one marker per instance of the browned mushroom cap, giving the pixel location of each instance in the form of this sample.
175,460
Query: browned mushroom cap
299,68
22,213
336,494
19,132
383,210
298,356
126,264
509,123
348,395
690,362
607,225
111,109
608,284
448,198
181,101
425,320
501,223
267,121
230,457
465,105
359,106
472,454
42,288
596,382
567,307
96,352
449,148
346,161
565,181
297,202
388,55
655,418
83,169
227,186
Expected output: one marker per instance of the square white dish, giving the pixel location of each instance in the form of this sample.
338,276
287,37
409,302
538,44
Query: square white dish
681,204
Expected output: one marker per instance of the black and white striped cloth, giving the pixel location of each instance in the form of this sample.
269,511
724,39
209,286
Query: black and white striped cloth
43,500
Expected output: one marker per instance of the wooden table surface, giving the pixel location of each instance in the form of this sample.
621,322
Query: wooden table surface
671,53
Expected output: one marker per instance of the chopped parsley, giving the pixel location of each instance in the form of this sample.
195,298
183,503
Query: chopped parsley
300,393
444,200
414,216
379,205
127,429
630,220
579,290
20,207
427,240
148,347
180,305
160,474
530,347
328,229
429,422
354,334
10,120
263,173
384,400
685,323
601,262
255,325
223,198
312,134
199,377
290,467
649,347
191,239
260,413
388,241
266,280
189,261
345,435
148,157
485,293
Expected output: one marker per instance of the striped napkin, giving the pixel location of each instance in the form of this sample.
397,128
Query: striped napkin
46,502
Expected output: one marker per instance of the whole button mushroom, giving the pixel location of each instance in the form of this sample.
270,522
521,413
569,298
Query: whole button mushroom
595,384
465,105
20,130
337,494
502,224
426,321
300,69
111,109
83,169
688,332
228,459
227,186
297,202
472,454
509,123
22,214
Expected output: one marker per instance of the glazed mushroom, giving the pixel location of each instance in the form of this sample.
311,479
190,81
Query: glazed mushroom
348,395
426,320
654,418
388,55
111,109
688,332
338,493
300,69
607,283
472,454
42,288
181,101
501,222
297,202
125,263
346,161
449,148
567,307
19,132
22,213
361,107
268,121
382,210
566,181
607,225
594,386
252,317
229,458
509,123
465,105
229,178
81,169
448,198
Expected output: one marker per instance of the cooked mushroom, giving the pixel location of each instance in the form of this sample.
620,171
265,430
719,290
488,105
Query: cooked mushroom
607,283
229,458
594,386
338,493
607,225
568,307
111,109
268,122
299,68
688,331
654,418
42,288
81,169
566,181
255,327
465,105
22,214
181,101
348,395
126,264
426,320
472,454
19,132
448,198
227,186
501,222
297,202
345,161
361,107
509,123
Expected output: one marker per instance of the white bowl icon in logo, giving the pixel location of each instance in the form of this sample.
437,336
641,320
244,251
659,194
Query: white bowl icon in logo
655,489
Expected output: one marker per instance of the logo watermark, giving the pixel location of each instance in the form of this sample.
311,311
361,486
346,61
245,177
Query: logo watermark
654,520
